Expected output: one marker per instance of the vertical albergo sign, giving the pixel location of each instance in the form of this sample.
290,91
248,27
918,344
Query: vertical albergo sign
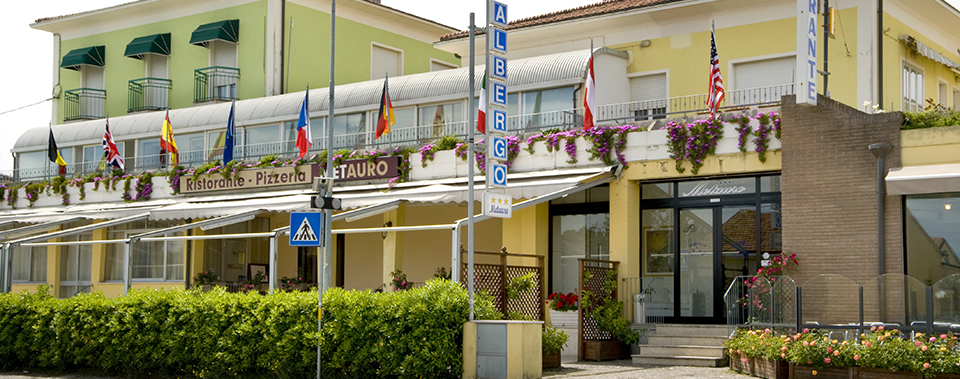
806,76
496,204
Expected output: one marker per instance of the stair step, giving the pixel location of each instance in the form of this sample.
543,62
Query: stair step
685,340
692,330
681,351
680,361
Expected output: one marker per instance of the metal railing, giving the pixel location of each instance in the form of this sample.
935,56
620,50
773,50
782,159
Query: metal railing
148,94
693,104
84,104
215,84
412,136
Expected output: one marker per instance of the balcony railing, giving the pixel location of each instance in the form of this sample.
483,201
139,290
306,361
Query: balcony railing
148,94
215,84
414,136
84,104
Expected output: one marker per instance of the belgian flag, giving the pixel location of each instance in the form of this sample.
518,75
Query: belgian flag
54,154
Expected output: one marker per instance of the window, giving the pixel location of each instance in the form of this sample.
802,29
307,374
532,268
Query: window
76,262
217,140
942,94
650,94
932,226
912,89
262,141
753,81
385,61
442,119
155,91
148,154
350,130
316,133
191,149
580,225
152,260
30,264
548,108
436,65
223,82
956,98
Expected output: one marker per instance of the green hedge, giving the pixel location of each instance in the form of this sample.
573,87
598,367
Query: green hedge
414,333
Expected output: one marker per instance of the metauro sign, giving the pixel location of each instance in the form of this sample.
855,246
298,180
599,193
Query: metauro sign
251,178
379,168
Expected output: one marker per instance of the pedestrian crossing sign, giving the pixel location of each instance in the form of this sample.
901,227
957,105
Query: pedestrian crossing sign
306,229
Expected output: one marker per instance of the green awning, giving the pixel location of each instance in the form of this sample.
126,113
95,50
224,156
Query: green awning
227,30
92,55
155,44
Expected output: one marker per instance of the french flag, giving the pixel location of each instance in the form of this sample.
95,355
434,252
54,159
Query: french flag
303,126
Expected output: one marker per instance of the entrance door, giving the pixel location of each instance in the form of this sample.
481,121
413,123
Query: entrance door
716,244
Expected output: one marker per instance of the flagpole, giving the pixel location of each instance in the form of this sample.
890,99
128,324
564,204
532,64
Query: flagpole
470,164
324,274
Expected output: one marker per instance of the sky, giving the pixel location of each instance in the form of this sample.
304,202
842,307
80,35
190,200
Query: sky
26,78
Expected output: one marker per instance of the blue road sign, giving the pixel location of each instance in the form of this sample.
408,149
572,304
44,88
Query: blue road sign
499,14
499,148
499,68
306,229
500,94
499,121
499,175
499,40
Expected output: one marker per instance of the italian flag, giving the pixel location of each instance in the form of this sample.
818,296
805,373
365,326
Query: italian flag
482,117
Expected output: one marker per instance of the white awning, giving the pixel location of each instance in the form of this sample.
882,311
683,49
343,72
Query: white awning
521,186
210,209
924,179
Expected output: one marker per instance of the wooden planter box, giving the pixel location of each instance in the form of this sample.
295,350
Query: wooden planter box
806,372
882,373
605,350
742,364
551,360
776,369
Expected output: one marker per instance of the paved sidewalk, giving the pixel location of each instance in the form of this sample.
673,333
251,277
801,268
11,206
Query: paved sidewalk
625,369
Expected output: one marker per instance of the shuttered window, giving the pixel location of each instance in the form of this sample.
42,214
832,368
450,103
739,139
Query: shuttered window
648,94
384,61
763,81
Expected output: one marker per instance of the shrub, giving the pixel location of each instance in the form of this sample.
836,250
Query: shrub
553,339
416,333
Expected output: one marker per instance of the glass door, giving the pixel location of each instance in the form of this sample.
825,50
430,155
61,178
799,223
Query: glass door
75,267
697,263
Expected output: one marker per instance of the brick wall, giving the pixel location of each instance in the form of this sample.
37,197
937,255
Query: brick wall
830,206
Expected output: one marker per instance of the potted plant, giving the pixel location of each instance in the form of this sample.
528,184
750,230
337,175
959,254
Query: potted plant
254,283
295,283
607,311
552,342
205,280
400,282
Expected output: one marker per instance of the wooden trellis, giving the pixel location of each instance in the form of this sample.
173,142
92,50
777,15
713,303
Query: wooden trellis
587,325
493,279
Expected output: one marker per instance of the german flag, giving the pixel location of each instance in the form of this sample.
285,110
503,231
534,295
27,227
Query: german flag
385,120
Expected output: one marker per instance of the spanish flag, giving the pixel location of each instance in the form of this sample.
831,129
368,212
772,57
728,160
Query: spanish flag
54,154
385,120
167,143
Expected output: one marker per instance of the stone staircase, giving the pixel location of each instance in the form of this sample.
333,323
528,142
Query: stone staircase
684,345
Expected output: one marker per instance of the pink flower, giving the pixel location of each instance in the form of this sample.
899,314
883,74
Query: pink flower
943,336
933,339
917,343
856,357
926,365
829,349
783,348
880,327
826,360
867,344
805,343
806,330
836,353
924,348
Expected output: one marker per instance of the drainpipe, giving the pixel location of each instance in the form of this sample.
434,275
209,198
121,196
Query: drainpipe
880,54
880,151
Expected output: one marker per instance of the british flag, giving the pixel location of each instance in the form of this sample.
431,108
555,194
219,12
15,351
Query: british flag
110,148
715,93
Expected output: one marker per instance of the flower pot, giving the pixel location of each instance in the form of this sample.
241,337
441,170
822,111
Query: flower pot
605,350
806,372
564,320
878,373
740,363
551,360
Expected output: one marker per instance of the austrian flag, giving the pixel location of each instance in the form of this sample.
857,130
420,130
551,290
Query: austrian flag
589,98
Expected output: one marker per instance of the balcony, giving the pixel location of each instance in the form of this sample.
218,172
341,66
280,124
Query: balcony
636,112
148,94
84,104
215,84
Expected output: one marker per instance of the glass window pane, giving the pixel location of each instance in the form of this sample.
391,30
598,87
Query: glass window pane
174,251
657,190
441,120
544,108
569,240
350,130
932,226
696,262
770,183
148,154
658,261
21,264
261,141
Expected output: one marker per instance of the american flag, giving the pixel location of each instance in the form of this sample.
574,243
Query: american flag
715,93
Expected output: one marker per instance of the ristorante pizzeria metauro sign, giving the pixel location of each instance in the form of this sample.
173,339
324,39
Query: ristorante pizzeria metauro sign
251,178
379,168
